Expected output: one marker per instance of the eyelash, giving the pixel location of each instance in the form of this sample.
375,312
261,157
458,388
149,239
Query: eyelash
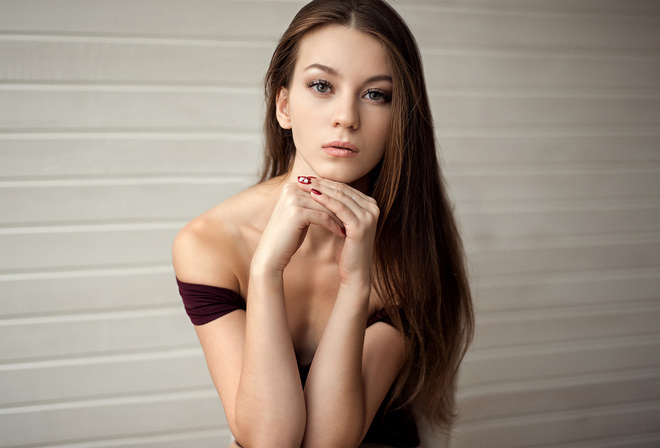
319,83
384,96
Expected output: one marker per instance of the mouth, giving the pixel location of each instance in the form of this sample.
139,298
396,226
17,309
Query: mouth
340,149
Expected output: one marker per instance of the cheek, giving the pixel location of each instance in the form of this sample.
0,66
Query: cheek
304,114
381,130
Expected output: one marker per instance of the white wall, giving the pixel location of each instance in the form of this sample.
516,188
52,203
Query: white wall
121,120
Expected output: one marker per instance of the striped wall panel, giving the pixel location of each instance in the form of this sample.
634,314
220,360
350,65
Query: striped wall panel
120,121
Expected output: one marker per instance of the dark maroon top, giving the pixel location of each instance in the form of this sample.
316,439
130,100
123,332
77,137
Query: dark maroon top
204,303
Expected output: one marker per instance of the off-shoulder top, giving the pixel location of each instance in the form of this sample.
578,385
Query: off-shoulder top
205,303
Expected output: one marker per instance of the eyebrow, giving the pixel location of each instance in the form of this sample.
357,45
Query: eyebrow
334,72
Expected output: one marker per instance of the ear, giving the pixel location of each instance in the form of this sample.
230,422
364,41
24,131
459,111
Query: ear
282,108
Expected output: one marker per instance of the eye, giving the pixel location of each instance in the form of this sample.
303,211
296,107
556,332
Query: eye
320,86
377,95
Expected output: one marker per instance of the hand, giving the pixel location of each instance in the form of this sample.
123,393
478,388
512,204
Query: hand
294,212
358,214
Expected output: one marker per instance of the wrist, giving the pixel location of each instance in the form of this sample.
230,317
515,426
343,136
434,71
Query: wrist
262,271
356,280
357,289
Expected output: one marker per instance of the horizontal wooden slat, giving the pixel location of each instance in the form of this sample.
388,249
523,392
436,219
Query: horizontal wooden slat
116,108
189,439
74,60
560,427
642,8
86,334
191,19
512,111
114,200
545,361
546,220
538,71
554,396
561,289
525,328
114,156
524,150
101,249
88,290
111,418
438,27
561,256
104,376
489,185
641,440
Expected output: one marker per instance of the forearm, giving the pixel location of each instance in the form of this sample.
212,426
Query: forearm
269,404
334,391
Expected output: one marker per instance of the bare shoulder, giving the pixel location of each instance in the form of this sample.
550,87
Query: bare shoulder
216,247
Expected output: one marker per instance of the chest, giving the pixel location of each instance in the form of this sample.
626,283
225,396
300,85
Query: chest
310,295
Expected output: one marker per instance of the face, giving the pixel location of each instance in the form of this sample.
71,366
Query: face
338,104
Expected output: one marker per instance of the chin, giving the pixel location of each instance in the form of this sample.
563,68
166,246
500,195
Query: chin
339,176
357,180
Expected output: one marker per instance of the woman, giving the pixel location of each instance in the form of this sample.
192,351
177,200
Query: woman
331,299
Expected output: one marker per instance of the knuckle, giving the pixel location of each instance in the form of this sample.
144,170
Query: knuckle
290,200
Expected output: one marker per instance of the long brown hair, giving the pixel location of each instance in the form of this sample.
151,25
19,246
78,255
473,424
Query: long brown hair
419,262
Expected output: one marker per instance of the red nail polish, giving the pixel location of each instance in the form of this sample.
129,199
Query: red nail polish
316,192
343,231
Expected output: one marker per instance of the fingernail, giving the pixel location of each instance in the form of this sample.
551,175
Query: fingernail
343,231
305,179
316,192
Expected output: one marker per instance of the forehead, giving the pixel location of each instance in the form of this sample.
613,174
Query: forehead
346,50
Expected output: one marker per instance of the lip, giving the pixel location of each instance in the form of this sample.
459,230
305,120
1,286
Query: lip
338,148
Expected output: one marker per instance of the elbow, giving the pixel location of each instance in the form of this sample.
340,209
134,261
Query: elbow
250,433
263,438
327,436
260,441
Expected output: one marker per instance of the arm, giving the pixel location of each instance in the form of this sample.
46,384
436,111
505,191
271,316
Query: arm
353,368
250,354
270,408
352,372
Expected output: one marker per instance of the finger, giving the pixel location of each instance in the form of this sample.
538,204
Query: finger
340,203
362,207
353,193
325,220
339,191
358,222
304,200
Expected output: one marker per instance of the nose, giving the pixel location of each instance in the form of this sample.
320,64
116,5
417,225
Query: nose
346,113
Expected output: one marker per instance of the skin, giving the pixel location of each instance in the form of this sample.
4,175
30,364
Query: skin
302,259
